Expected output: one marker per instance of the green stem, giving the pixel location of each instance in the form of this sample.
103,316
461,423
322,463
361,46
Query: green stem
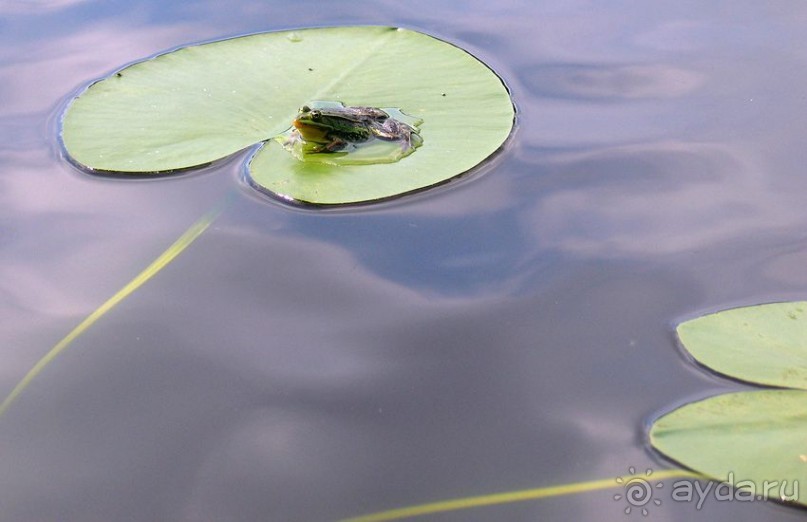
516,496
158,264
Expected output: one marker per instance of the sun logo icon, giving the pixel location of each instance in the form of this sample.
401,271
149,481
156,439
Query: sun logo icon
638,491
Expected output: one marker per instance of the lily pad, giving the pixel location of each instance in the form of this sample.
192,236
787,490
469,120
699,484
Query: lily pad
201,103
765,344
748,439
759,436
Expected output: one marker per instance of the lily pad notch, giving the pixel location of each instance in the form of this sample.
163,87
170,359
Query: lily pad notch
199,104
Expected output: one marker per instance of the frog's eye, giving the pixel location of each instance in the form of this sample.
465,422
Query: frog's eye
381,117
305,108
315,115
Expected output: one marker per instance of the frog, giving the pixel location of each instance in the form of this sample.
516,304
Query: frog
334,127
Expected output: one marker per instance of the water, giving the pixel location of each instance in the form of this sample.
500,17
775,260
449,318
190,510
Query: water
512,330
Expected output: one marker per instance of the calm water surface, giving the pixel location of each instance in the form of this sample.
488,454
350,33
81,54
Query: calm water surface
510,331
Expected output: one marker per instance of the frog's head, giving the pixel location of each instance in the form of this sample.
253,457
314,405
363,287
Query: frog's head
322,125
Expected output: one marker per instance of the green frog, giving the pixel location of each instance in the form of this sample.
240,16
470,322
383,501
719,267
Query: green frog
332,127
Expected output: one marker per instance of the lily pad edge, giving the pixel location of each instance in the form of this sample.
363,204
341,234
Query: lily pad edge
255,147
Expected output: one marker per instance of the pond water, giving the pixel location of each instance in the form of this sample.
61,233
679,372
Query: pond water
511,330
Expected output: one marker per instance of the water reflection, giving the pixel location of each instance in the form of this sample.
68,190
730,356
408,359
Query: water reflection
35,77
658,199
38,7
787,267
343,358
507,332
611,82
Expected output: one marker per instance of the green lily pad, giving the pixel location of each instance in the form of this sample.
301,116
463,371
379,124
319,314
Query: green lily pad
742,438
765,344
757,437
201,103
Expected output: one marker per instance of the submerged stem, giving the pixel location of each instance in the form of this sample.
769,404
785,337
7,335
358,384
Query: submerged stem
515,496
158,264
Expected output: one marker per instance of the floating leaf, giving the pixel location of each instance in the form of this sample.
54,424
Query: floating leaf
757,437
765,344
749,436
201,103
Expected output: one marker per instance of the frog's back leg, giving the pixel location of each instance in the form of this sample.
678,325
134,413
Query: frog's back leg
410,140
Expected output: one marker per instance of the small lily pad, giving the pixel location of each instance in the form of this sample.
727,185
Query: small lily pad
758,436
201,103
753,437
764,344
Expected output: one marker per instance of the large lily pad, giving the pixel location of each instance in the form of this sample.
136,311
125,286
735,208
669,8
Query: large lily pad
201,103
756,436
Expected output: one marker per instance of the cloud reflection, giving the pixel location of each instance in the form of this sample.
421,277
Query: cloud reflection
35,76
38,7
611,82
657,199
